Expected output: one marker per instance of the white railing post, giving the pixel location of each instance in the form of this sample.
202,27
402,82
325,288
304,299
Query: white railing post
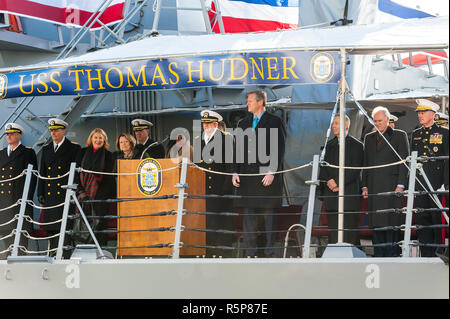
312,196
65,214
181,186
409,205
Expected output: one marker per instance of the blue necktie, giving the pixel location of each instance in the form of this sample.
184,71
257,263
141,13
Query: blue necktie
255,122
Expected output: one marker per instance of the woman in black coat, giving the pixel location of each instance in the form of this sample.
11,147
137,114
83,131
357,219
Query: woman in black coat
96,157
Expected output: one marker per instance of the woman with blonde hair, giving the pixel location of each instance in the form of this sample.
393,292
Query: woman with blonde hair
95,159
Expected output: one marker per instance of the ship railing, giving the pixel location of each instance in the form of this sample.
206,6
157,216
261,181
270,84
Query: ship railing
308,229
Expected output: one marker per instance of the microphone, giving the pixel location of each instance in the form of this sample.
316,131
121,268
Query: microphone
154,144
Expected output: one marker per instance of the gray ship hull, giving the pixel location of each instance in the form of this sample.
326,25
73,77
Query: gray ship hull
292,278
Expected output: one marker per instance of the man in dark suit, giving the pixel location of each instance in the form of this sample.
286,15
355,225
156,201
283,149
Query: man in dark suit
430,140
55,162
13,160
385,179
259,150
141,130
329,177
215,147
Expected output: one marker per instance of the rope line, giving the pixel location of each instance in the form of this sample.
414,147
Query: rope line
366,167
125,174
9,207
10,221
32,204
13,178
36,173
8,236
248,174
30,220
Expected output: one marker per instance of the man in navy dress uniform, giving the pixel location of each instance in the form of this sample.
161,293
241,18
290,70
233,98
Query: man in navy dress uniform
141,130
55,162
430,140
14,159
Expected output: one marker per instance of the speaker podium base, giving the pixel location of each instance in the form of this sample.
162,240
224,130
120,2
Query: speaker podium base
343,250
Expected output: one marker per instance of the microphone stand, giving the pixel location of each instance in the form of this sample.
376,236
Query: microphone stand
153,144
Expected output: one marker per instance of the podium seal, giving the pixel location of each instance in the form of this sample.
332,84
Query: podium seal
149,179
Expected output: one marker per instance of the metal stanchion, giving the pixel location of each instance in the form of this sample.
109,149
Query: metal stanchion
69,192
312,196
409,205
181,186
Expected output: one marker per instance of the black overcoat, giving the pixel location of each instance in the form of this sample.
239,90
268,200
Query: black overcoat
107,185
385,179
249,160
354,155
10,192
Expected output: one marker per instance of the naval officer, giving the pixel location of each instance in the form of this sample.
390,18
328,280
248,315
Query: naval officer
441,119
55,162
430,140
216,145
392,120
141,130
14,159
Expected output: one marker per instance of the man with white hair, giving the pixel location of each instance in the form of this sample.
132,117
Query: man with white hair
214,147
14,159
384,179
430,140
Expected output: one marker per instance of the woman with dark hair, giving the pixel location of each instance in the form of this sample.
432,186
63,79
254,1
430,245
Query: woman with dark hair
93,159
126,148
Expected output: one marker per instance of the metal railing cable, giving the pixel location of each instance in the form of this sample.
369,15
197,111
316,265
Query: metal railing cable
120,200
158,214
114,231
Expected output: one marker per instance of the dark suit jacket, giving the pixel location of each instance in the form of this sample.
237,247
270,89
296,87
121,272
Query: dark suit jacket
11,191
55,165
385,179
354,154
248,160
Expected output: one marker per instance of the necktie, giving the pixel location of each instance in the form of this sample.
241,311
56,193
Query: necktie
255,122
56,147
379,139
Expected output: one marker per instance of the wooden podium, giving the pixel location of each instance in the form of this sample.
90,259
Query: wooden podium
130,187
